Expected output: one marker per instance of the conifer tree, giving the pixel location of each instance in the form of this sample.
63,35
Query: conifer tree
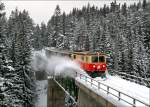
44,36
50,33
124,9
36,39
1,32
21,32
8,89
23,56
57,27
144,4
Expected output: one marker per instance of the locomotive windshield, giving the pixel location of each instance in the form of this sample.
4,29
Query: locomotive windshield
98,59
101,59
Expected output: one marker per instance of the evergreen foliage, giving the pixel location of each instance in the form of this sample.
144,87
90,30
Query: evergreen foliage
17,88
121,29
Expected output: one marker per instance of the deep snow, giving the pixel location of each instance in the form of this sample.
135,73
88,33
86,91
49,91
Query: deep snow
132,89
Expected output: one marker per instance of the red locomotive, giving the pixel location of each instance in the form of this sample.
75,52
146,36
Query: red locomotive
93,63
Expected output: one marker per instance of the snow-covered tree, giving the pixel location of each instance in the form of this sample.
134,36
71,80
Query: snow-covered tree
50,32
71,33
20,32
23,58
81,33
8,78
56,37
36,38
140,57
44,35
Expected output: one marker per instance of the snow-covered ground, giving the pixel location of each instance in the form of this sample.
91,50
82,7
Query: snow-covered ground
41,93
134,90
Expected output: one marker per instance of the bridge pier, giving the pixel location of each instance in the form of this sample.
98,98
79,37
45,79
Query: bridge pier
88,98
84,100
55,94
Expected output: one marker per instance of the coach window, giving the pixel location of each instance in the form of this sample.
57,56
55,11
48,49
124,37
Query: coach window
74,56
82,58
86,58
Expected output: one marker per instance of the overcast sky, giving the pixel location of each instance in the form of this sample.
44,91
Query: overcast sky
41,11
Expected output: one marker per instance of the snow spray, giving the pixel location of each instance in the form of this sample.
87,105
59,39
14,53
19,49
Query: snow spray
55,65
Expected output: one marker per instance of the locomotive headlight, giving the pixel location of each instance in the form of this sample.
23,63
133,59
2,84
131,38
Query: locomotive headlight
103,65
94,66
98,67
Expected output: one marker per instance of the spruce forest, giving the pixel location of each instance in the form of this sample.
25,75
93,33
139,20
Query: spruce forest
122,30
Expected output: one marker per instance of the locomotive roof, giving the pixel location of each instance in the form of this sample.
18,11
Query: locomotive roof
76,52
57,50
88,53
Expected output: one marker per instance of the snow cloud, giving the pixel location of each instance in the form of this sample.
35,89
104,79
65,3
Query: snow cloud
55,65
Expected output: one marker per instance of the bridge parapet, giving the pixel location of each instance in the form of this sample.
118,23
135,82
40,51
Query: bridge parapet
95,88
88,98
92,93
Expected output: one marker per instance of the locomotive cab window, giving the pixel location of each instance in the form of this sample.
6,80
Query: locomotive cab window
101,59
98,59
94,58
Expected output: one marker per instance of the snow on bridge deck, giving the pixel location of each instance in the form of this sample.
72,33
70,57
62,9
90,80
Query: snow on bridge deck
131,89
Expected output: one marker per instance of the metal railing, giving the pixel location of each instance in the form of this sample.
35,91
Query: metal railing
91,81
72,102
69,85
133,78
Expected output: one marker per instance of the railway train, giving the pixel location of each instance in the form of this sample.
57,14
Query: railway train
94,63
